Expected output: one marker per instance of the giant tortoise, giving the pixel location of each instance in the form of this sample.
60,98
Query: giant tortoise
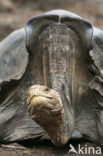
51,80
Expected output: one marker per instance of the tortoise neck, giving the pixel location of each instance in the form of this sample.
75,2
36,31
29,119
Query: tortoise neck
63,124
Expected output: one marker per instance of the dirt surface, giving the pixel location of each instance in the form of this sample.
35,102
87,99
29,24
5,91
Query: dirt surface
45,148
14,15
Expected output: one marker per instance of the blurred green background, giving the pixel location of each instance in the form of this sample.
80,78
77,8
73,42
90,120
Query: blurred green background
14,14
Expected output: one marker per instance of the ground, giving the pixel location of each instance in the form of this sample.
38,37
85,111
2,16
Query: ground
44,148
14,16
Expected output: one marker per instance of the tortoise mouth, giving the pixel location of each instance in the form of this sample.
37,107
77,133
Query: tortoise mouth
37,99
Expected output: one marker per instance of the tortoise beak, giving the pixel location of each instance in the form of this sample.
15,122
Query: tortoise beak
37,97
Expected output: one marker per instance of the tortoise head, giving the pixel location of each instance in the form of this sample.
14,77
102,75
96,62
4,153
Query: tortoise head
39,95
45,107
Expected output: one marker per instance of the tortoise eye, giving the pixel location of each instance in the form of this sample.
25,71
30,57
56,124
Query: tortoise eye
46,90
